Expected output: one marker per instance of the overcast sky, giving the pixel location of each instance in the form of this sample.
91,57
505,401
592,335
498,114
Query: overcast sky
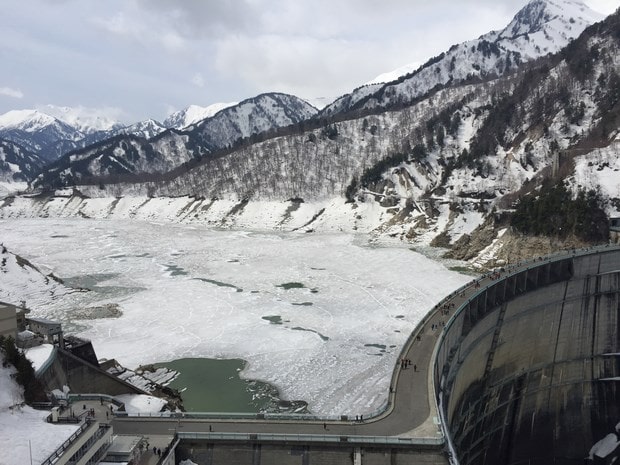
138,59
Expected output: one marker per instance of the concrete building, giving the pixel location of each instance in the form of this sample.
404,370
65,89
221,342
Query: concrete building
87,446
8,320
614,230
12,319
51,331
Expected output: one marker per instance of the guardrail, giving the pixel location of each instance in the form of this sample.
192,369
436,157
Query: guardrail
65,445
233,416
100,397
313,438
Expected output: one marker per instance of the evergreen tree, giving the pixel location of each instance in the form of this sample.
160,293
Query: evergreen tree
33,389
555,213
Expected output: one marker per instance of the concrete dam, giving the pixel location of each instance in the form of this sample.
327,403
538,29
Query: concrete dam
528,369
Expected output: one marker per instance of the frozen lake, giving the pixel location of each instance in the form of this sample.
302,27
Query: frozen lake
320,316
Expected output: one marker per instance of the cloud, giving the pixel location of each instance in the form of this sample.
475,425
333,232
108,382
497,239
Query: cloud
603,6
147,30
79,114
307,49
202,18
9,92
198,80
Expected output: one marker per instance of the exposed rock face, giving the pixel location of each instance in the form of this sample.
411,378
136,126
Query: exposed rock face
492,245
516,247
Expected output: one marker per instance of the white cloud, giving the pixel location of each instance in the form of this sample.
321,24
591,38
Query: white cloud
198,80
102,117
603,6
9,92
146,29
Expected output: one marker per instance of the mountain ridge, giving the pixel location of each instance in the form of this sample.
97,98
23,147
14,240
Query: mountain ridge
124,155
553,23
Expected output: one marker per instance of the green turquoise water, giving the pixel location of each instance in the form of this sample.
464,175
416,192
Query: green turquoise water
214,385
209,385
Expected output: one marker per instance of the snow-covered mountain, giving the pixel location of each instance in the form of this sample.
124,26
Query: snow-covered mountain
252,116
394,74
540,28
21,278
446,169
40,133
53,131
124,155
16,163
146,129
193,114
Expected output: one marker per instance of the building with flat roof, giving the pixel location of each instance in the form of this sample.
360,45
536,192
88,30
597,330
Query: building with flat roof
51,331
8,320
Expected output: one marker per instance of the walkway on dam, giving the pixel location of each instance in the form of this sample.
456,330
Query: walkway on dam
411,414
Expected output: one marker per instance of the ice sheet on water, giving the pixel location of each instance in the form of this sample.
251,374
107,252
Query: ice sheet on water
359,295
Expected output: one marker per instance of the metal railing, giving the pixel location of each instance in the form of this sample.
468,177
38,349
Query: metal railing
313,438
65,445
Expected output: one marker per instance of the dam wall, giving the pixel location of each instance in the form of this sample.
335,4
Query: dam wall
528,370
66,369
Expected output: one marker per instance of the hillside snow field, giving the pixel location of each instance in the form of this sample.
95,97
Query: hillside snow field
24,434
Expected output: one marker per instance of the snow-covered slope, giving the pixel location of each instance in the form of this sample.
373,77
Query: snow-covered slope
31,438
21,278
253,116
16,163
113,159
147,129
546,26
394,74
540,28
194,114
26,120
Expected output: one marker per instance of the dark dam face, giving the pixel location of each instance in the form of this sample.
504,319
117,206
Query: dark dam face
528,372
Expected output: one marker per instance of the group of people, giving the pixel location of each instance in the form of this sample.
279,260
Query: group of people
438,325
445,309
405,362
157,451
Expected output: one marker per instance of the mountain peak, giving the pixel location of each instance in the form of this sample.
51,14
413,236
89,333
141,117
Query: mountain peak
26,120
548,16
193,114
540,28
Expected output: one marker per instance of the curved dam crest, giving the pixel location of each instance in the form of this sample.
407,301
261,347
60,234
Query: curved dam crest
528,370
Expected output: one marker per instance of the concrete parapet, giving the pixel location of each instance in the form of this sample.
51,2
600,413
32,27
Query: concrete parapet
525,369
